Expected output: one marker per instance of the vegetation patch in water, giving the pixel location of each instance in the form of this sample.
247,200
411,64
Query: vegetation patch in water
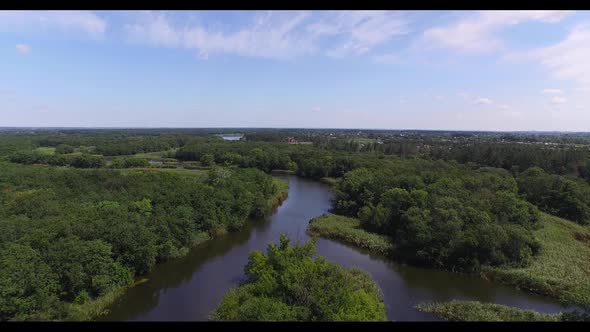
489,312
349,230
289,284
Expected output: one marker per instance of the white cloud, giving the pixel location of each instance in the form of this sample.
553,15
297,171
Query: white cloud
483,101
315,109
558,100
552,91
275,34
504,107
360,31
23,48
476,33
463,95
270,36
569,59
66,20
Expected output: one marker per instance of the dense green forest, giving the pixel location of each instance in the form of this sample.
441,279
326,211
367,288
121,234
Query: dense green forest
83,212
443,215
290,284
68,236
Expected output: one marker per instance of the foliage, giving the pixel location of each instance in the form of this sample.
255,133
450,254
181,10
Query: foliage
82,234
487,312
442,214
561,270
289,284
349,230
128,162
562,196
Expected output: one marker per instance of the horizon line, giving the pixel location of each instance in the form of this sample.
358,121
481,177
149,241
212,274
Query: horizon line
304,128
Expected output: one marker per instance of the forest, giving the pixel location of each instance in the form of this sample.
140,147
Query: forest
85,213
69,236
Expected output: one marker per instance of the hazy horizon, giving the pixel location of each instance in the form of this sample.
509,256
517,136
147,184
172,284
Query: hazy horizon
501,71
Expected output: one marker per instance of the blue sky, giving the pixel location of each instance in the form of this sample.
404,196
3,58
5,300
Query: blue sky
465,70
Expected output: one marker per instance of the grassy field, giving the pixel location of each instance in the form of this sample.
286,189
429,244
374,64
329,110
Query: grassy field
192,172
477,311
46,150
562,270
153,155
348,230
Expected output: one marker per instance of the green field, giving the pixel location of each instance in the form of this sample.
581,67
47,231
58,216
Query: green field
348,230
191,172
152,155
470,311
46,150
562,270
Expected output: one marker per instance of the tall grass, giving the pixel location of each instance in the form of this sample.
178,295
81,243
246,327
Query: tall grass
348,230
562,269
488,312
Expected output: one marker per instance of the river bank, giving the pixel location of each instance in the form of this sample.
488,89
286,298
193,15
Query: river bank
98,307
190,287
561,271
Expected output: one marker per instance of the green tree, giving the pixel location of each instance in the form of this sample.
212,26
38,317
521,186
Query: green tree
28,287
288,283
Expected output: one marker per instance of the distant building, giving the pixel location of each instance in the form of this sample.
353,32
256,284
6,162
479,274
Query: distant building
291,140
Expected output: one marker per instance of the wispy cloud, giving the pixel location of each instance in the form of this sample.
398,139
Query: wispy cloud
278,35
359,31
476,33
483,101
558,100
203,54
70,20
553,91
316,109
270,35
568,59
23,48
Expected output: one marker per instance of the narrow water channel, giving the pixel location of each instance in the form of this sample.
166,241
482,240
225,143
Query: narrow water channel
189,288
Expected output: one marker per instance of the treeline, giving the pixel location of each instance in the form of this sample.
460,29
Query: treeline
116,145
261,155
442,214
564,196
519,157
77,160
69,235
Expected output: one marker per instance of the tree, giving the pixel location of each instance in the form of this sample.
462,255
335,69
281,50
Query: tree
289,284
207,160
28,287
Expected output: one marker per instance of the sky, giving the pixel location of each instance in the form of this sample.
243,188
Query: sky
446,70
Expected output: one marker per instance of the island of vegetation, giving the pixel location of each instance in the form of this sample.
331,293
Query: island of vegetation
290,284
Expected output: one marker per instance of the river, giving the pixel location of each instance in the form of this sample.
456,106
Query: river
189,288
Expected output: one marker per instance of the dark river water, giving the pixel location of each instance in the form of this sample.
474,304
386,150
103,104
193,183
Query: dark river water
189,288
